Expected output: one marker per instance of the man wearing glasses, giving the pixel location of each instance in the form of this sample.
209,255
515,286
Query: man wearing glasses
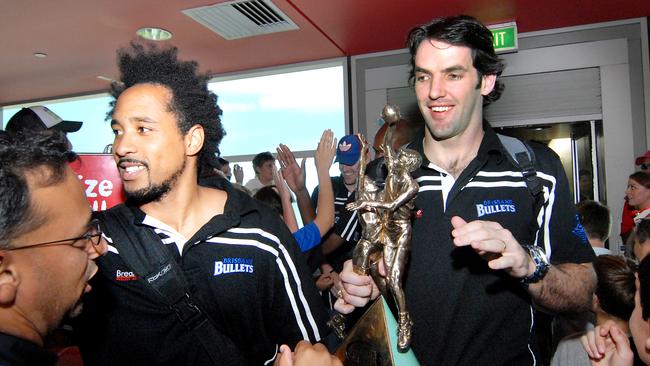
48,242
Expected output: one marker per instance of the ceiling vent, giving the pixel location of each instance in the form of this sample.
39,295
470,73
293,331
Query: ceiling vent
240,19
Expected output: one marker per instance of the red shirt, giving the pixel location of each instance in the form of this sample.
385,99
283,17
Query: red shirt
627,221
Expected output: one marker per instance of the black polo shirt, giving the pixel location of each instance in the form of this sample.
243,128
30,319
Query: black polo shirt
463,312
346,223
246,272
16,351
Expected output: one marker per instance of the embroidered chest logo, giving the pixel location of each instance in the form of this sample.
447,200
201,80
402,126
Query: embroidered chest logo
489,207
579,230
125,276
233,265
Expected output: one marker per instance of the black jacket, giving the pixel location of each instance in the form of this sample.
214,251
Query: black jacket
247,273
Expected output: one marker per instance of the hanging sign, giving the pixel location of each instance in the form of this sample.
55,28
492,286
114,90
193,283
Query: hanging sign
504,37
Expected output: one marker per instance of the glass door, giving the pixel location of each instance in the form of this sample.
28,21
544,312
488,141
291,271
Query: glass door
580,148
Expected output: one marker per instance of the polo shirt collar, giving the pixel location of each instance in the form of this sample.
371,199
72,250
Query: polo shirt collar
237,205
490,146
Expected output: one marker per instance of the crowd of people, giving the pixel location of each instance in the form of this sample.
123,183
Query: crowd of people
194,269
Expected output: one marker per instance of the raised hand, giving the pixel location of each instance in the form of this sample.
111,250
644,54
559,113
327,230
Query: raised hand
608,345
281,185
238,172
291,171
325,151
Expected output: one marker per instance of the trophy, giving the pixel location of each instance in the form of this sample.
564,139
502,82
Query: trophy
385,215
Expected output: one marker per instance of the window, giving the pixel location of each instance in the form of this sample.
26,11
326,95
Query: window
293,107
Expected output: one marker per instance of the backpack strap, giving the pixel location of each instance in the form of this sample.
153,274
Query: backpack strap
523,157
141,249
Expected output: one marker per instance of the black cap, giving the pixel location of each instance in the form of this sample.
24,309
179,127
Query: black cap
38,118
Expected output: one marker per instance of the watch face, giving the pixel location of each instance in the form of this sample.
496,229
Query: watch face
541,264
540,254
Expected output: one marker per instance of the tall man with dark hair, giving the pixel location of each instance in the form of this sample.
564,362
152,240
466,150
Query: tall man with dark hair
243,280
480,250
47,243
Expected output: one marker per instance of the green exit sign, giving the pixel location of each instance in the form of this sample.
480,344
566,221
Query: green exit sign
504,37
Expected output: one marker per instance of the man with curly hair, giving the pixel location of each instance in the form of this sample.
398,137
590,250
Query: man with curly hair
240,264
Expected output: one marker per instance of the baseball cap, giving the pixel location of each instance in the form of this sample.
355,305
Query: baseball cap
641,159
348,150
38,118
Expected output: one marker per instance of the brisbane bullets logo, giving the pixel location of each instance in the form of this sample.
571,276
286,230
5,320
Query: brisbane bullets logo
233,265
489,207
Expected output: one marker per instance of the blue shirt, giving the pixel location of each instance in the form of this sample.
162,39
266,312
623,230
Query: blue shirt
307,236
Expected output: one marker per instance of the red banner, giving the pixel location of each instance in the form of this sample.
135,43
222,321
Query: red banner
99,176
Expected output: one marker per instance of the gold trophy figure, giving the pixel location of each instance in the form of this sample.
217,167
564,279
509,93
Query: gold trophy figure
385,216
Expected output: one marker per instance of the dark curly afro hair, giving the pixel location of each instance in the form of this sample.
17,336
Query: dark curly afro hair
192,102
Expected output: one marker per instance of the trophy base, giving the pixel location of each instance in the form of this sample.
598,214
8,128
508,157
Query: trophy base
373,340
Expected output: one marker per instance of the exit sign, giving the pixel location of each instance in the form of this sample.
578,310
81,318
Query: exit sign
504,37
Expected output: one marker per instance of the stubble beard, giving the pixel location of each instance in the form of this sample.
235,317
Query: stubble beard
153,192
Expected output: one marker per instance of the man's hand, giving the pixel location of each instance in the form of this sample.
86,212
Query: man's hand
357,290
495,244
565,287
608,345
292,173
306,354
238,172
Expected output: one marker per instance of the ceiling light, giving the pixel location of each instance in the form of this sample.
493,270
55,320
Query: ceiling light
40,55
109,79
154,34
106,78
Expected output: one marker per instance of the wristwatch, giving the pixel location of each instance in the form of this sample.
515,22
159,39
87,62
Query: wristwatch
541,264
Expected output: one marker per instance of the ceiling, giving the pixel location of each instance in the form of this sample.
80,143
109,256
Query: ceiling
80,36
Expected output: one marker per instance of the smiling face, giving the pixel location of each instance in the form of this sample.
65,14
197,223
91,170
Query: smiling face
637,195
51,279
149,148
446,89
350,173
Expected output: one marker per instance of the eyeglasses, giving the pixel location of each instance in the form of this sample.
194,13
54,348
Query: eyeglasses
93,235
645,166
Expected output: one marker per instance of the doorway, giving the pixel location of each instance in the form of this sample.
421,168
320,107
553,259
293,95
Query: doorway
580,148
